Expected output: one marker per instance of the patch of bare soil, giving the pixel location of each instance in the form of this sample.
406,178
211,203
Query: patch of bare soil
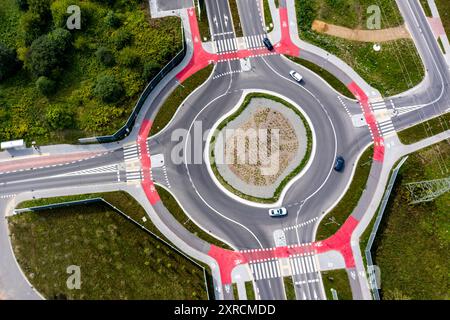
382,35
260,161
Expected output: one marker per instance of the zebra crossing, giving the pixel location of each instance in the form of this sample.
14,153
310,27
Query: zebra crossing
254,41
270,268
131,153
386,126
266,270
223,46
98,170
134,174
303,265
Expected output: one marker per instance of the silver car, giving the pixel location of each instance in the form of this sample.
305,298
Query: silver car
278,212
296,76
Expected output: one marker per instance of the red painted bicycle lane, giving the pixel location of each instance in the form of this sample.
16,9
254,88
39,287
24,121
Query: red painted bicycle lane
201,58
378,140
146,163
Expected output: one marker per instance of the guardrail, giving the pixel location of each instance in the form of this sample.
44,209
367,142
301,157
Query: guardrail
117,210
126,129
373,282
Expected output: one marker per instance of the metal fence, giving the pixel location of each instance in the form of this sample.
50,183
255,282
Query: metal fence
104,202
373,281
126,129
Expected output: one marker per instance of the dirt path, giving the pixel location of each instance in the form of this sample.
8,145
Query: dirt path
361,35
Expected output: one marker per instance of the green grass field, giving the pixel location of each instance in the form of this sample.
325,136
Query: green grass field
289,288
337,280
425,129
444,12
117,259
337,216
174,101
203,23
174,208
412,247
268,16
23,108
394,69
327,76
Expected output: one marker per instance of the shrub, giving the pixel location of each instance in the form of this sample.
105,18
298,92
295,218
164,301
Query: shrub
129,58
121,38
8,62
112,20
105,56
47,53
45,86
58,117
22,4
306,13
31,27
108,89
150,70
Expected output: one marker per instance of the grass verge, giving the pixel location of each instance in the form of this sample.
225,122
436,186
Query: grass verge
290,176
337,216
117,259
203,22
394,69
425,129
250,290
176,98
289,288
327,76
174,208
268,16
426,8
337,280
236,20
444,12
412,247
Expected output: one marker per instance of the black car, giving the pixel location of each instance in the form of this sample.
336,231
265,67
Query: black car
267,43
339,164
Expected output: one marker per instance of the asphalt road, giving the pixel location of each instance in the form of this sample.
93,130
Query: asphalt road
242,225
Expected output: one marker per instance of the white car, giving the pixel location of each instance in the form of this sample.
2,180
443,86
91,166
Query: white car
278,212
296,76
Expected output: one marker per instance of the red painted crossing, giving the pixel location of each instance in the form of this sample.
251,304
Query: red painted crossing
146,163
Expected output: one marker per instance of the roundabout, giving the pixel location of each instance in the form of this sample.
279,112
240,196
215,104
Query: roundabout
262,144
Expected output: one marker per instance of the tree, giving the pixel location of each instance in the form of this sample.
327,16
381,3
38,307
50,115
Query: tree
128,57
31,27
45,86
121,38
150,70
47,53
22,4
8,62
105,56
59,117
112,20
108,89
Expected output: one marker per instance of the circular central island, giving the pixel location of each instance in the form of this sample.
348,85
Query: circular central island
257,149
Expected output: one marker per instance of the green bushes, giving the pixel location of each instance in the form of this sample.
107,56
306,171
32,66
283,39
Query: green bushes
8,62
105,56
45,85
47,53
59,117
108,89
137,40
